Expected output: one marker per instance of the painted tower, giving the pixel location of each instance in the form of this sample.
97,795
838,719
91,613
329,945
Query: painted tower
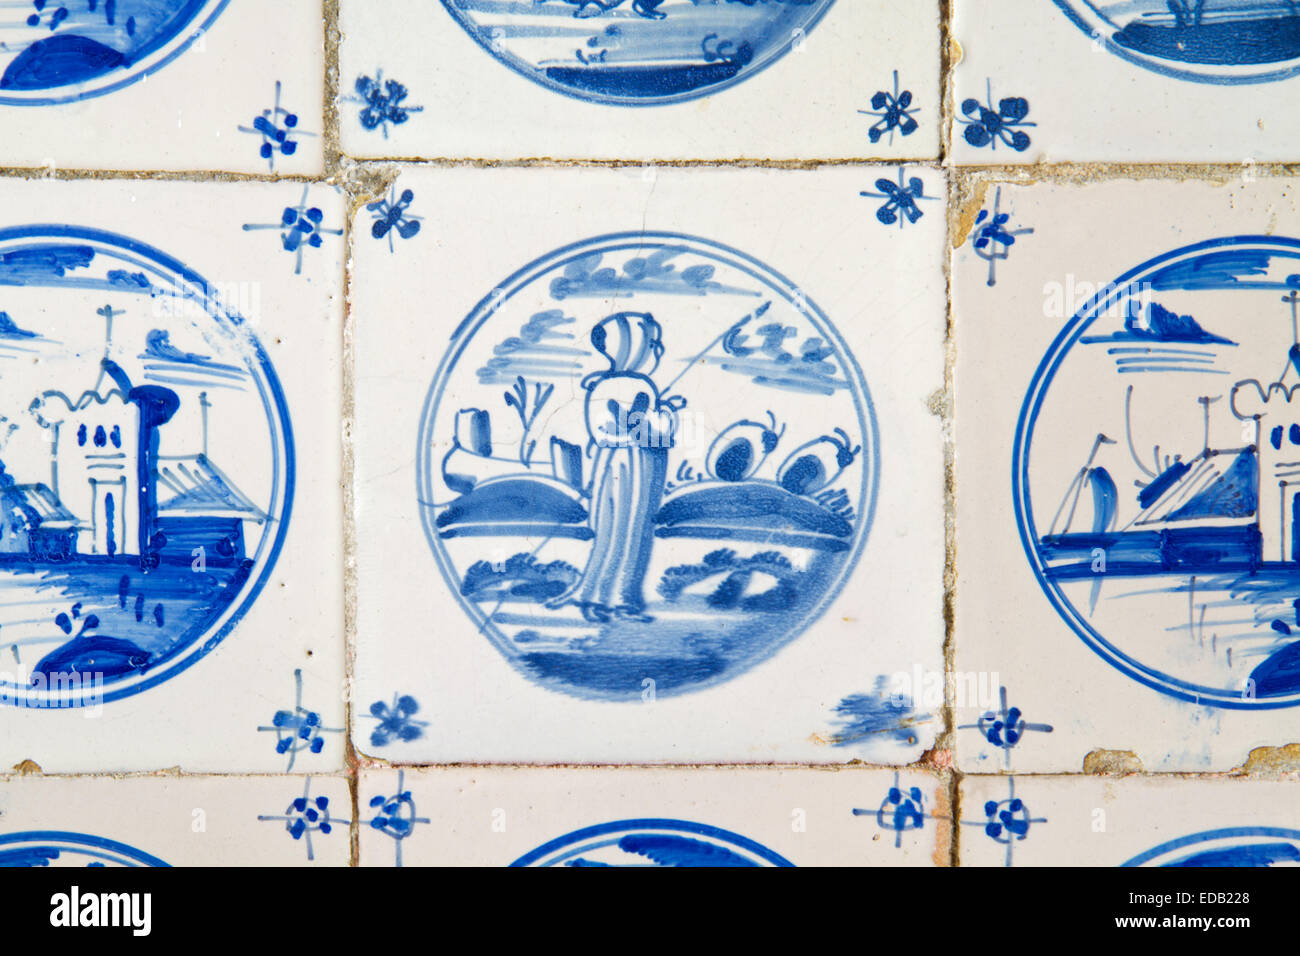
1275,411
105,456
95,455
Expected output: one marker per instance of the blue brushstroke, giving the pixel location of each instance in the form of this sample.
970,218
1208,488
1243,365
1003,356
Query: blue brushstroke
1262,854
1105,500
661,842
1194,35
10,330
1234,494
60,61
1279,674
668,850
1162,483
879,715
1215,270
29,856
1244,848
587,277
40,848
158,346
635,53
1162,326
34,263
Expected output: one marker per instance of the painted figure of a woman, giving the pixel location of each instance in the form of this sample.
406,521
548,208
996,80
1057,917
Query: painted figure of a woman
631,428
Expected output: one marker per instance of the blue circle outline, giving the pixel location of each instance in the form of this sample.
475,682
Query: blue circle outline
1042,380
86,840
1156,65
653,823
133,78
1205,836
280,410
487,308
531,73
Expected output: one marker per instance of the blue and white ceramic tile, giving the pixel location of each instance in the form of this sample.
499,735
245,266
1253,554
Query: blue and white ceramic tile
1130,821
1132,80
715,817
170,587
231,85
640,79
174,821
649,473
1126,528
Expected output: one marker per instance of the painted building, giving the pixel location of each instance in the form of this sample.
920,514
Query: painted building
105,459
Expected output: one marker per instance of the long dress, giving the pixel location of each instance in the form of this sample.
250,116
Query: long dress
632,429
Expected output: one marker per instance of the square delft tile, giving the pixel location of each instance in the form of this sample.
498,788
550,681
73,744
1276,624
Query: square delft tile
1128,821
169,573
1127,452
1147,81
649,473
163,84
640,79
174,821
648,817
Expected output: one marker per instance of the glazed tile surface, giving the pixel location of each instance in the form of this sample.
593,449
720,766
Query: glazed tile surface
673,80
224,85
649,433
1123,433
174,821
650,455
646,817
1087,821
1056,81
170,417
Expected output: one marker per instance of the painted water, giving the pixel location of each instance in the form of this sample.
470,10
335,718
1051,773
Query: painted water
54,51
638,52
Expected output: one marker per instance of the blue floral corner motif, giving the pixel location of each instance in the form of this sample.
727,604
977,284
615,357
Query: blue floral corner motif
298,729
1005,727
895,113
994,236
392,217
396,721
279,130
395,815
901,811
301,227
305,817
902,199
383,102
987,125
1007,821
